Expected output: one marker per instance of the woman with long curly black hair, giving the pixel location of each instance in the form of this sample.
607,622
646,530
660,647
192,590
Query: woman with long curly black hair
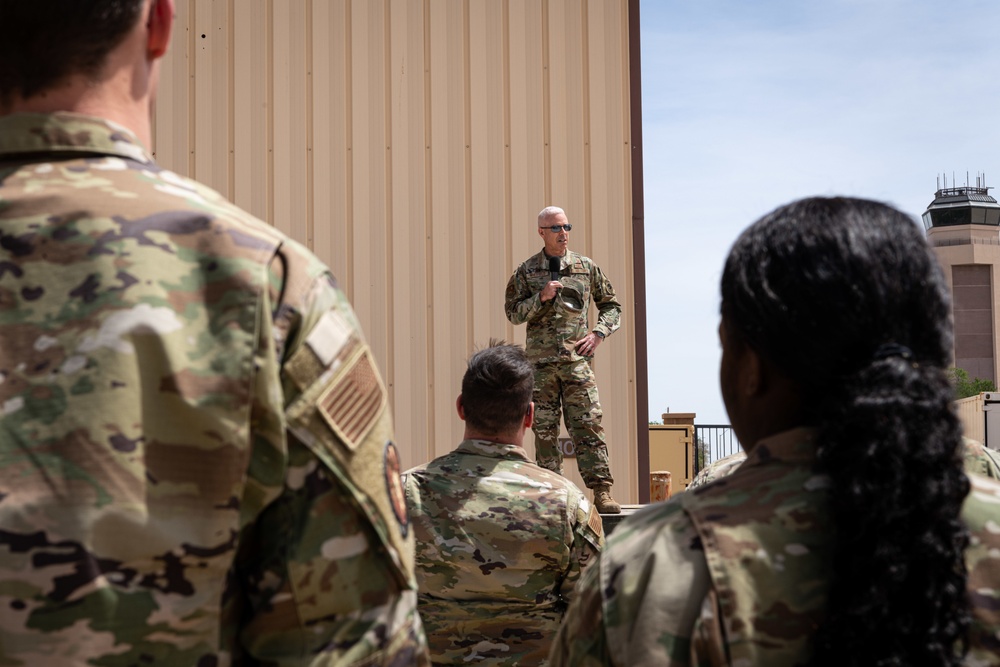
841,540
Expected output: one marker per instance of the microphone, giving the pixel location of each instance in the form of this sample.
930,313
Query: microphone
554,268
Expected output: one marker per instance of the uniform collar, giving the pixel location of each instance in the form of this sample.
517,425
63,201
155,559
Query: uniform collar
797,445
66,132
493,450
542,260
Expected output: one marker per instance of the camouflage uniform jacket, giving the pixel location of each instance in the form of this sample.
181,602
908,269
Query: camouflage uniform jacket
754,546
186,479
554,327
977,458
501,544
981,513
980,459
723,467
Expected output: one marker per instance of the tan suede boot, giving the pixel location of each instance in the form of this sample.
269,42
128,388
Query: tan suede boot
603,501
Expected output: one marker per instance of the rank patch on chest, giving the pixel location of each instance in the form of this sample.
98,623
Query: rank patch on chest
353,402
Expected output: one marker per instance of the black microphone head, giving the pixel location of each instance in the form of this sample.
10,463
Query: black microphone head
554,264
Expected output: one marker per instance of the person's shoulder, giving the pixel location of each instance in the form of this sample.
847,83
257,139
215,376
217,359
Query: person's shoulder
578,259
981,510
440,475
637,531
546,481
413,491
529,468
412,474
985,485
552,484
174,203
753,484
554,492
979,459
534,262
981,514
427,468
243,227
417,469
584,264
543,483
718,469
653,556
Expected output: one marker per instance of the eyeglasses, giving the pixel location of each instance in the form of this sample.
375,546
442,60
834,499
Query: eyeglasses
559,228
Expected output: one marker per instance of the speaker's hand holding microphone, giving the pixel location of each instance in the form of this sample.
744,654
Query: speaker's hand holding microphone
549,292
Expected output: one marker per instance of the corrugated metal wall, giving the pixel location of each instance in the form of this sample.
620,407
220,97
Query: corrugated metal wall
411,144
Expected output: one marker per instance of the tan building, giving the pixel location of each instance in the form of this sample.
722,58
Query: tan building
963,226
411,145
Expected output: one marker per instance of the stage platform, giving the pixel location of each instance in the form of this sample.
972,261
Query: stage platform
612,520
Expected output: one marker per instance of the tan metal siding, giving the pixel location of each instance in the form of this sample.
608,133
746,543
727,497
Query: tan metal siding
411,143
250,86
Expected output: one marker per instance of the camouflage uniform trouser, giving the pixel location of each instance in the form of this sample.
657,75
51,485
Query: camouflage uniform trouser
571,383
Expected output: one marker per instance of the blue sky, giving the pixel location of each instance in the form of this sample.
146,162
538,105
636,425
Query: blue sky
748,105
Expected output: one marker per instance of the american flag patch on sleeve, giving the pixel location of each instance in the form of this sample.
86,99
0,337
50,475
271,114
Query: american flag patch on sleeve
595,522
354,400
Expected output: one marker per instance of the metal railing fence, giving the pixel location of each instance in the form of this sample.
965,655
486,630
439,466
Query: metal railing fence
713,442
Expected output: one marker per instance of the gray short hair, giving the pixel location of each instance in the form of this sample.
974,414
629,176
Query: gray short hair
549,212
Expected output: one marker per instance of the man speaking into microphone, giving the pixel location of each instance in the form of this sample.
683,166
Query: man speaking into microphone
552,291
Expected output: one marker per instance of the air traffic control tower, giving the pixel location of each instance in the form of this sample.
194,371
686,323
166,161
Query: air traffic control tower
963,226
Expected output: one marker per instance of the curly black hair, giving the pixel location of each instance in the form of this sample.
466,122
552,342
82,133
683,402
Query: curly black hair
845,297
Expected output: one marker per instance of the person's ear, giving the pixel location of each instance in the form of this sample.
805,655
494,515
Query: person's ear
460,408
159,27
529,416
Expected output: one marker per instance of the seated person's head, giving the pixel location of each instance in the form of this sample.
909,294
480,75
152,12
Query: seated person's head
43,43
496,390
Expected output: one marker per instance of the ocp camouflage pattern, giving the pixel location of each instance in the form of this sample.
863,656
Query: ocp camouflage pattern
182,483
569,388
564,379
739,568
501,544
976,457
554,327
716,469
981,513
609,598
980,459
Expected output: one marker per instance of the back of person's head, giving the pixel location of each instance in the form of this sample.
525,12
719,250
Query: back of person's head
42,42
497,387
845,297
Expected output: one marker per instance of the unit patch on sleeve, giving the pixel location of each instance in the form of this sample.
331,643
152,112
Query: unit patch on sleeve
394,485
353,402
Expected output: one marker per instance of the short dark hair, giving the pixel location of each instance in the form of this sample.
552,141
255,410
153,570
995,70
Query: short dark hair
44,41
497,387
